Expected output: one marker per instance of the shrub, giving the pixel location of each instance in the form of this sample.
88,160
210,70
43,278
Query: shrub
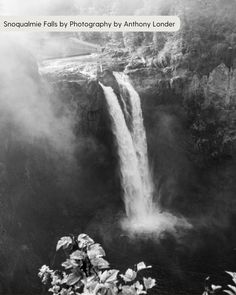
218,289
85,271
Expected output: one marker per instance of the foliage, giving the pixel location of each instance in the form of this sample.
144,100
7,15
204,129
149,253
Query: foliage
85,271
207,36
217,289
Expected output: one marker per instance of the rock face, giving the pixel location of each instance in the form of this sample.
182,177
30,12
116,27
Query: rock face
219,84
149,80
218,87
145,80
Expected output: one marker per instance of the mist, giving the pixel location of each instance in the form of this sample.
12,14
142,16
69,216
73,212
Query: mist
26,102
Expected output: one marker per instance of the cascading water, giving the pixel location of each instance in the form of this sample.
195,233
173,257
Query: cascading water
143,215
138,134
129,166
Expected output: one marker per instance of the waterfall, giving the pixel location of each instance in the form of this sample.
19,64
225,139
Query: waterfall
143,215
129,166
139,140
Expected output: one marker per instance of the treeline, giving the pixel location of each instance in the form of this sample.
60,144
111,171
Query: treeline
208,30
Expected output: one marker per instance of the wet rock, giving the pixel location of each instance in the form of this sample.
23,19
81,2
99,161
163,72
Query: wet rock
177,84
108,79
145,80
219,84
220,87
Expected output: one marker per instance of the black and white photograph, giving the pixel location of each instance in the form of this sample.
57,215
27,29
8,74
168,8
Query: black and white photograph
118,148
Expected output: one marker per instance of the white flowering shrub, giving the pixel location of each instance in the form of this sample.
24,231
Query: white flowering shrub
85,271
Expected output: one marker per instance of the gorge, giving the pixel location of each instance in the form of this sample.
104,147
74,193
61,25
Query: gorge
131,140
70,172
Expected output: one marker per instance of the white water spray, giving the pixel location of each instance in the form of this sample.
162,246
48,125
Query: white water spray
143,215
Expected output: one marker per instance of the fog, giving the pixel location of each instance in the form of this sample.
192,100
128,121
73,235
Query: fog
34,7
25,98
117,7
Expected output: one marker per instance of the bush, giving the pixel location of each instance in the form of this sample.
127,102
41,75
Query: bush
211,289
85,271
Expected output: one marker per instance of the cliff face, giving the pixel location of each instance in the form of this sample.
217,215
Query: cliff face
221,85
195,109
217,87
188,99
